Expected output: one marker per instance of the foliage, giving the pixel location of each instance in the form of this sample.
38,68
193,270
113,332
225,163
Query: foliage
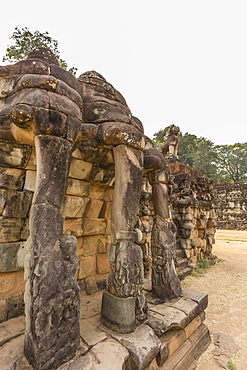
203,265
231,366
160,137
232,161
24,41
186,148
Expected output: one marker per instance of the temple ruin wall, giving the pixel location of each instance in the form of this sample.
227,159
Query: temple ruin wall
231,206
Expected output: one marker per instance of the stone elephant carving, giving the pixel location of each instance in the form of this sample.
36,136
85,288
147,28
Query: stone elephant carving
46,108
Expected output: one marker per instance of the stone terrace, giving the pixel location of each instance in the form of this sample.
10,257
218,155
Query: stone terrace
172,338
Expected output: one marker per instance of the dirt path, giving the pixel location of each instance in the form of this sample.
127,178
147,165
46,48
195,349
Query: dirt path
226,285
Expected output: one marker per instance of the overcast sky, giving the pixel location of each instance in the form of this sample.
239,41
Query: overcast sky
182,62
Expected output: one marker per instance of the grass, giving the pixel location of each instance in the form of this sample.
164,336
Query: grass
203,265
231,366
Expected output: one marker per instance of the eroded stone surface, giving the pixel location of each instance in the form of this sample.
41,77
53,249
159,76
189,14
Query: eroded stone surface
11,352
56,126
163,319
90,334
11,329
143,346
110,353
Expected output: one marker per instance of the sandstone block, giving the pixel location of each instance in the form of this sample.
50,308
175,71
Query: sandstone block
103,263
10,229
11,178
25,229
3,196
14,155
30,180
181,358
162,318
17,203
101,281
106,210
79,169
103,244
3,310
189,307
94,226
79,252
97,192
200,340
170,342
91,334
91,285
94,208
22,364
32,165
143,346
11,284
108,196
73,226
90,306
108,227
90,245
15,306
74,206
86,362
110,352
11,329
78,187
192,326
199,297
87,266
10,352
12,256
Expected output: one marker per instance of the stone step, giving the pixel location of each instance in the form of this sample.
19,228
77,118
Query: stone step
180,253
185,272
181,263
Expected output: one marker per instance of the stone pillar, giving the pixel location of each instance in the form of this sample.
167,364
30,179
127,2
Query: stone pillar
52,294
124,305
165,282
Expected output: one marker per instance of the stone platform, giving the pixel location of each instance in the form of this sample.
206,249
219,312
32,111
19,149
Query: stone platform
172,338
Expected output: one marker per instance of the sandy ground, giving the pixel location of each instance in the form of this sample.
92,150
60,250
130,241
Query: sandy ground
226,285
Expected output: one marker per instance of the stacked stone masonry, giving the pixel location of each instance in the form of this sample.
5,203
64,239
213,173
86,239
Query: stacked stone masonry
192,206
231,206
86,209
84,195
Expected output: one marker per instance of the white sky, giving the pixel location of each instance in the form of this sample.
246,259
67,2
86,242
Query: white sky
176,61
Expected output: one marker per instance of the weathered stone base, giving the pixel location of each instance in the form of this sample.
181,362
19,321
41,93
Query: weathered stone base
118,314
173,338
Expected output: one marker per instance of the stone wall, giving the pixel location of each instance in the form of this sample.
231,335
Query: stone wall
86,208
231,206
193,213
87,212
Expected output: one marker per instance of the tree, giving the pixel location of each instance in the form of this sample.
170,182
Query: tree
232,162
187,145
25,41
160,137
205,157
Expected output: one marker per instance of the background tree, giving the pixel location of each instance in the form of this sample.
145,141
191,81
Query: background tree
160,137
232,162
25,41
